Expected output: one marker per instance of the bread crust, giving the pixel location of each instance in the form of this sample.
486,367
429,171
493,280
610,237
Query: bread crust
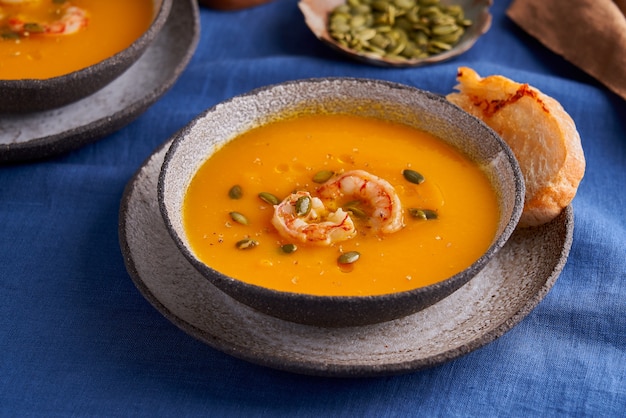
541,134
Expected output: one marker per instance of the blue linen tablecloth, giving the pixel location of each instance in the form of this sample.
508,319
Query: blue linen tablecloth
78,339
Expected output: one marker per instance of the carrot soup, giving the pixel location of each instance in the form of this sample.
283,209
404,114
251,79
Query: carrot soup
339,205
41,39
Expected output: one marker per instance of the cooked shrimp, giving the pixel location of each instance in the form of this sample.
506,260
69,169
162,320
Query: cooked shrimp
71,21
318,226
387,214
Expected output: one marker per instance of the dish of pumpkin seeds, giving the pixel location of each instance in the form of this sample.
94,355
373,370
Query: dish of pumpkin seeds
398,32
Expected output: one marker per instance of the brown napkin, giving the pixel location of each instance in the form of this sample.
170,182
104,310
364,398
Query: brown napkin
591,34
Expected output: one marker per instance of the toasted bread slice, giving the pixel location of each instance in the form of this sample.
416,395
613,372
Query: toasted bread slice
540,133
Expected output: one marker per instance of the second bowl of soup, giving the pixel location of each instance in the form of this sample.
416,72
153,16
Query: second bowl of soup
339,202
53,52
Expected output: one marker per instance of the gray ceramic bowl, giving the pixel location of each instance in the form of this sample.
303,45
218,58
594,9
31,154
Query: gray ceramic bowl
429,112
32,95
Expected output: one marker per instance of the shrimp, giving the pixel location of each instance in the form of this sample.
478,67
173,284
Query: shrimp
387,215
71,20
319,226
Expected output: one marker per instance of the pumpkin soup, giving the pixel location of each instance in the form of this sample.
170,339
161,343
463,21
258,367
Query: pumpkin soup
339,205
47,38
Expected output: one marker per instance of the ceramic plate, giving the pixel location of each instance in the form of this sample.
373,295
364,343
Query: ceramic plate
496,300
46,134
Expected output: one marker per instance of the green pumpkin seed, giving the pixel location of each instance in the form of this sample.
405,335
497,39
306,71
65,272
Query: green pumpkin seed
303,205
238,217
354,208
444,29
423,214
10,35
323,176
289,248
33,27
444,46
235,192
269,198
349,257
246,244
452,37
413,176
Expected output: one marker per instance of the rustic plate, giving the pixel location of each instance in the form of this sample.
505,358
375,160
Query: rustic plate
45,134
501,295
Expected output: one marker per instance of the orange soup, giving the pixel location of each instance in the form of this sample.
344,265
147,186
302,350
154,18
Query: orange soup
232,229
47,38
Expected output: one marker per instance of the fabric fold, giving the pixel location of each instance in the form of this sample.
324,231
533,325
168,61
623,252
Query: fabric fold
590,34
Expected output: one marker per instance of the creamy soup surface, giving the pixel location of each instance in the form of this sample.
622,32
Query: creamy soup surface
47,38
285,156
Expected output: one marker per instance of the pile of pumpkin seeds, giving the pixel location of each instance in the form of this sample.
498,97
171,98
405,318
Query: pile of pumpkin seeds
397,29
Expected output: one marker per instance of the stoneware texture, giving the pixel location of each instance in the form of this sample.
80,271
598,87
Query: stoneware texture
316,17
390,101
32,95
499,297
29,136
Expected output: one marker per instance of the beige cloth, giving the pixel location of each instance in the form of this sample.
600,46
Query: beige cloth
591,34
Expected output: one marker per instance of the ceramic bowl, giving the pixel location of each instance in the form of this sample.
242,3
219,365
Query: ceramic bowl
33,95
316,14
194,144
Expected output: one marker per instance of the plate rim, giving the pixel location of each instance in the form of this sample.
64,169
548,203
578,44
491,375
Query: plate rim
48,146
331,370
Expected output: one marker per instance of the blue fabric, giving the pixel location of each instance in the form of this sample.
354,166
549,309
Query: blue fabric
78,339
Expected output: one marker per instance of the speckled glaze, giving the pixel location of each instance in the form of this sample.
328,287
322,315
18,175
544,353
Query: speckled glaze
390,101
517,278
32,95
316,17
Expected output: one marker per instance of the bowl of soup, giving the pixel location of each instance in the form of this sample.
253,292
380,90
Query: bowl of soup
55,52
339,201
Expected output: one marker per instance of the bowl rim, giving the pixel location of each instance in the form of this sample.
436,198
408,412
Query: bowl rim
231,285
111,61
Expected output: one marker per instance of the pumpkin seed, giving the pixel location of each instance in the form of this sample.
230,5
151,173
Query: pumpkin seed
323,176
413,176
235,192
444,46
33,27
269,198
238,217
289,248
246,244
303,205
349,257
353,207
423,214
444,29
10,35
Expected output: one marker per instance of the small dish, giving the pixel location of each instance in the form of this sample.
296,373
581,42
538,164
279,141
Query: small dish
38,135
514,282
33,95
316,15
391,102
